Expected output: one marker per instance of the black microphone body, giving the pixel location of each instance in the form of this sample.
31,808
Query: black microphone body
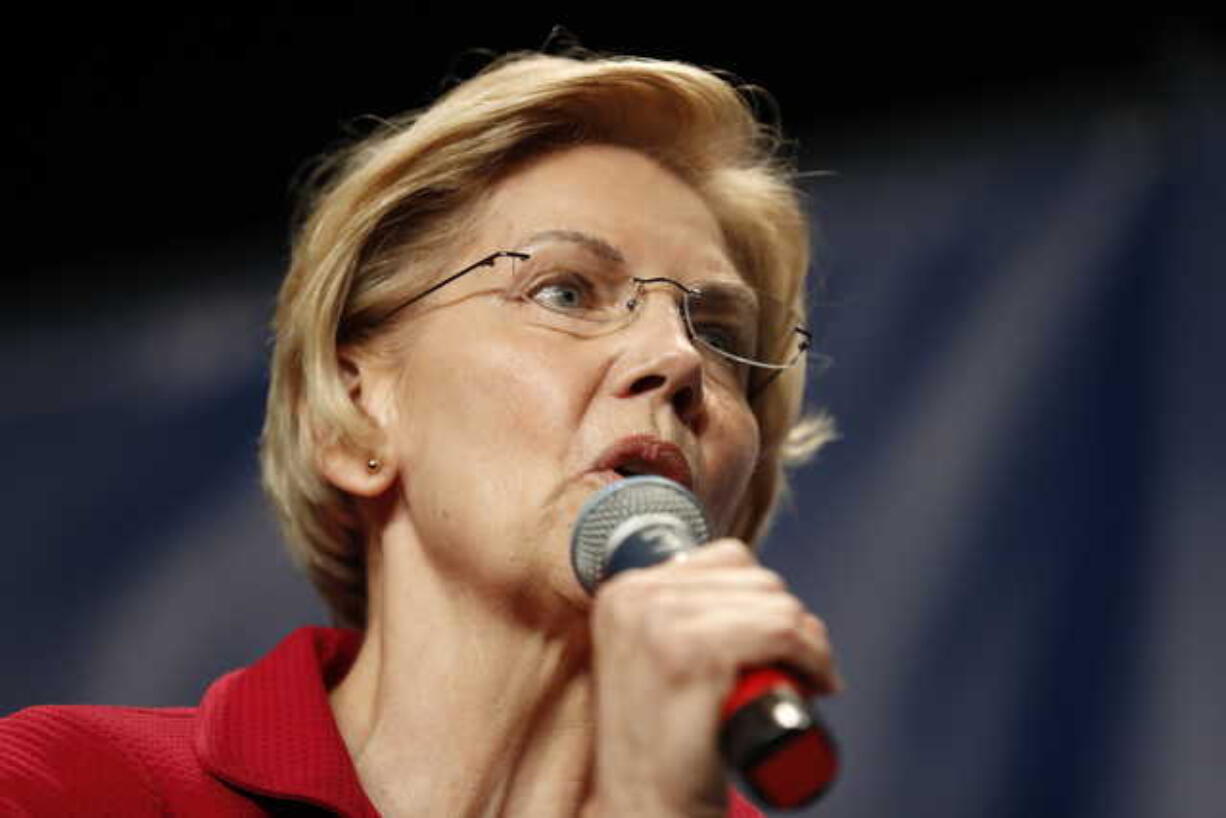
769,733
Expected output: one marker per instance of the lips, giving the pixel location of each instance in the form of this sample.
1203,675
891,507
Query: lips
646,454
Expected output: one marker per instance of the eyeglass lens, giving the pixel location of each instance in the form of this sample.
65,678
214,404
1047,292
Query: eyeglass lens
574,290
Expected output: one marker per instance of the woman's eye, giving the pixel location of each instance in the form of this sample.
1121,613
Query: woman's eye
563,294
722,338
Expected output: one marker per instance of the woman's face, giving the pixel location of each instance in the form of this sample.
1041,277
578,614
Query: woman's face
500,428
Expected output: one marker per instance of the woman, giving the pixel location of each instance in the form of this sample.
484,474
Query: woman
563,272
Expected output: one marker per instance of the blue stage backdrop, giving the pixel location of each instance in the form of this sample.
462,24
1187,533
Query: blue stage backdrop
1018,542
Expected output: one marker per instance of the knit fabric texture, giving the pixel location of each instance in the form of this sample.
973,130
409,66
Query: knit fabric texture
262,743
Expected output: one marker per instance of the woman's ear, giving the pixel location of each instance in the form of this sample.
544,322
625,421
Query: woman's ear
362,472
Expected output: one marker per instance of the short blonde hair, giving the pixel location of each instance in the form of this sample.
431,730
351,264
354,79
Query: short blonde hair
400,195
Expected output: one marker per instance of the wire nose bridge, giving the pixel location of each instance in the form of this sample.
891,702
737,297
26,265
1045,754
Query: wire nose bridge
638,296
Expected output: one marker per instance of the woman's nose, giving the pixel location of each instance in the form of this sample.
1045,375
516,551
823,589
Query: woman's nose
663,361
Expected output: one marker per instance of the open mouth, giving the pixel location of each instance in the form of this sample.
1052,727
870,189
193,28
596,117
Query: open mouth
645,454
632,471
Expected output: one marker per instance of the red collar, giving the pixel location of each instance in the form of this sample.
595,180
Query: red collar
268,729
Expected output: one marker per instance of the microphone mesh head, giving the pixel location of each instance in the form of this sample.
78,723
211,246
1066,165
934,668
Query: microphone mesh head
591,541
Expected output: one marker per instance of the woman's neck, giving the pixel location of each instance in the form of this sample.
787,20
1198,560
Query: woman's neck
454,707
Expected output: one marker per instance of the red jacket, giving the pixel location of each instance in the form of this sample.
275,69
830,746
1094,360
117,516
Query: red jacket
262,740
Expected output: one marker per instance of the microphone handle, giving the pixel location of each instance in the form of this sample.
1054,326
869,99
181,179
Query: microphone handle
774,738
768,731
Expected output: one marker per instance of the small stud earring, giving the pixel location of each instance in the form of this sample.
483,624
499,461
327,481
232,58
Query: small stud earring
373,465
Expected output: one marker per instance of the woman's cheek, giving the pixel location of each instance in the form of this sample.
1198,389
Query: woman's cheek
733,462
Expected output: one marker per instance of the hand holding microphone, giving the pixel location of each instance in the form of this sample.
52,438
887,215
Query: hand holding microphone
670,642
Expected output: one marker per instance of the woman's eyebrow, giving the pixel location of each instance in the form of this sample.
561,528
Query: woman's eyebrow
596,245
734,291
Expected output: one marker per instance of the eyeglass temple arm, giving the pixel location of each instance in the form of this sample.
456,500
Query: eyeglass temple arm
806,339
438,285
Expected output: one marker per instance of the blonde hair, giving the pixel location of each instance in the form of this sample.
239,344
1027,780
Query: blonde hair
402,194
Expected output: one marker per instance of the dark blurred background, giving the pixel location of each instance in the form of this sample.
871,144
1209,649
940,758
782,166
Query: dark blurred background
1020,541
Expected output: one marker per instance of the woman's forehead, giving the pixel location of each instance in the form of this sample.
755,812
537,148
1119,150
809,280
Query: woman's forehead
709,267
612,203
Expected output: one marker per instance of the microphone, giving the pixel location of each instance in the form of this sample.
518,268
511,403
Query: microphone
768,733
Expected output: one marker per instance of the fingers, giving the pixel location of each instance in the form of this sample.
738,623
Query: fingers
726,551
719,562
669,643
714,613
734,630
